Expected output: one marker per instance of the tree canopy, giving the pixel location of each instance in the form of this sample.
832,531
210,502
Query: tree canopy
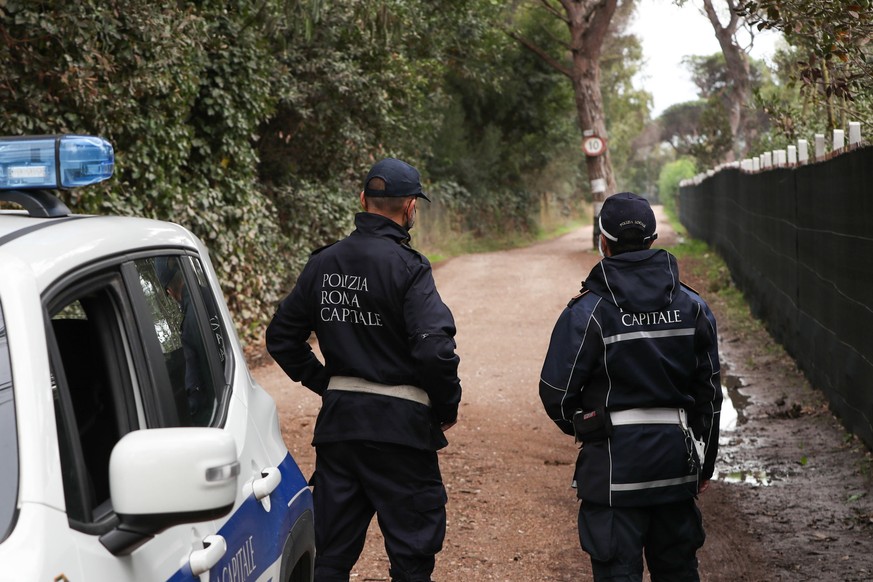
253,123
831,44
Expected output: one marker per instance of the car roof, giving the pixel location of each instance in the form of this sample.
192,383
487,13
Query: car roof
51,247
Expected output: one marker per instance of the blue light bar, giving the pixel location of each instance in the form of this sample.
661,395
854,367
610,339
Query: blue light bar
54,162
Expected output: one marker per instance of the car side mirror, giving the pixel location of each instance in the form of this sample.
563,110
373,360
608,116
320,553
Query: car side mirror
163,477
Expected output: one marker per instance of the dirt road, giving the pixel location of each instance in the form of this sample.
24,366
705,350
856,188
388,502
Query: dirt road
793,501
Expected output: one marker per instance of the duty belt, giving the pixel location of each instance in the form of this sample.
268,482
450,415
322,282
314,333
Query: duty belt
661,416
649,416
404,391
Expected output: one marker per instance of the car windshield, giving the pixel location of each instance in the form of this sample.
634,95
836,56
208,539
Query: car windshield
8,439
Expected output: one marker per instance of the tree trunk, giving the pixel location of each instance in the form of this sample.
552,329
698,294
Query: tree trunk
589,109
737,63
588,21
829,106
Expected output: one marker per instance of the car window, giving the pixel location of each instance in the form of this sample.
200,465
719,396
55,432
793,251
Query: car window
188,329
135,344
212,313
93,389
8,439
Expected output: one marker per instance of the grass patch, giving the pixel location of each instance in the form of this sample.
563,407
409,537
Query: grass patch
703,269
465,244
561,230
441,245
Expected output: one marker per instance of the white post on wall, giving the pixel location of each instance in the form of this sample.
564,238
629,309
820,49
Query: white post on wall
792,155
802,151
839,140
779,157
766,159
819,146
854,133
747,165
756,164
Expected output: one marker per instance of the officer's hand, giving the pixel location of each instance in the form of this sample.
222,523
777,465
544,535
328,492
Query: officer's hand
704,485
446,426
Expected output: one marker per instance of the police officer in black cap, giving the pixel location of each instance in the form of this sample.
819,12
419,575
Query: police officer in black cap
632,371
389,383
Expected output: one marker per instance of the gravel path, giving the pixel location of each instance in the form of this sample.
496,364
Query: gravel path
512,513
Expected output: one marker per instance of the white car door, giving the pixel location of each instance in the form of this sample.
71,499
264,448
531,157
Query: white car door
128,354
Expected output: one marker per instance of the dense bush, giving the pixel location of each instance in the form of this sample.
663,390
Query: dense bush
668,183
179,89
507,140
252,123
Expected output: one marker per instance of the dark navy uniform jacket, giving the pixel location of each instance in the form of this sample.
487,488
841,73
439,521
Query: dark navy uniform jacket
635,339
373,305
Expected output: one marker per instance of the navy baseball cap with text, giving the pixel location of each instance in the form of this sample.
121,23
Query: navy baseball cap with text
627,216
401,180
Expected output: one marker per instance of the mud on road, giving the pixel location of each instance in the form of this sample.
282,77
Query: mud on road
793,498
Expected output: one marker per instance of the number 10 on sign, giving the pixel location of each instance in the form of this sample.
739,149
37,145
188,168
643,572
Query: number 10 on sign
593,145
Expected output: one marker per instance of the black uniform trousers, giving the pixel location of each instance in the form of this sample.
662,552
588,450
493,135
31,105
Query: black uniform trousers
617,537
401,485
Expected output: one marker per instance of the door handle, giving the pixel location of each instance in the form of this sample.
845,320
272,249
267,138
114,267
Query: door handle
203,560
270,479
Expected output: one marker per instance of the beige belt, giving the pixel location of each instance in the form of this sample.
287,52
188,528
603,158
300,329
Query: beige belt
404,391
660,416
649,416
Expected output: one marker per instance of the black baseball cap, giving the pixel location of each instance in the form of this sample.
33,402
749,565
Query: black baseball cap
627,216
401,180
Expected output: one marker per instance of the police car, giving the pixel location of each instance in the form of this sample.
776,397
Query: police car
134,443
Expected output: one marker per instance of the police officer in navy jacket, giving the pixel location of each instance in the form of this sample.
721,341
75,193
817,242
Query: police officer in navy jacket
389,383
632,372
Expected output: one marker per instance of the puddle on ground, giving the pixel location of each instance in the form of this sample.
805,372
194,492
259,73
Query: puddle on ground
733,416
736,400
729,415
754,477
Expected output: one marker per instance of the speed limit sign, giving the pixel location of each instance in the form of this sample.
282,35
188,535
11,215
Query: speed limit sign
593,145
